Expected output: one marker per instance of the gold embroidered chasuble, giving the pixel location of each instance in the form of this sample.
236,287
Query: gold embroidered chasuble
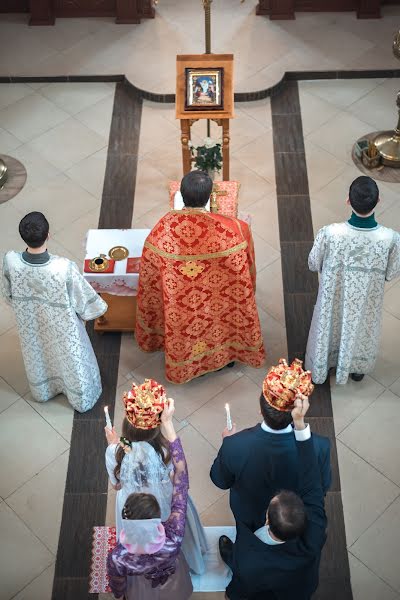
196,294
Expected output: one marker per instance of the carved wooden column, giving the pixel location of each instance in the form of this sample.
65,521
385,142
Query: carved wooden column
276,9
225,149
42,12
128,11
369,9
185,138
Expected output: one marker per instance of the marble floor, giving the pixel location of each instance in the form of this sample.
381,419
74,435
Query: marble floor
65,181
263,49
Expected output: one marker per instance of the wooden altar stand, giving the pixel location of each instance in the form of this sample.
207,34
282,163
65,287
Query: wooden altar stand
188,116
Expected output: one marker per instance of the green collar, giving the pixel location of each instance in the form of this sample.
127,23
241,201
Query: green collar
362,222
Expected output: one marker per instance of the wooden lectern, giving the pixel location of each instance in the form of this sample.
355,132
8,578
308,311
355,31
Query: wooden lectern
220,115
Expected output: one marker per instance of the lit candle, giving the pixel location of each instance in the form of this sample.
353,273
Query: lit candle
228,417
108,420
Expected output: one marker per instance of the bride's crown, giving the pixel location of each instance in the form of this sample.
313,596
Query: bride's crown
283,382
144,404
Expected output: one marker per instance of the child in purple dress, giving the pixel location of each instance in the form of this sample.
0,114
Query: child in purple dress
147,563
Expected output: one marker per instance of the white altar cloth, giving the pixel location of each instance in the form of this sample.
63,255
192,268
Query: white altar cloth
100,241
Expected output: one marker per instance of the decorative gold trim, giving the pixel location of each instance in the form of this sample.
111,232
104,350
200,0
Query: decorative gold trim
236,345
187,257
209,371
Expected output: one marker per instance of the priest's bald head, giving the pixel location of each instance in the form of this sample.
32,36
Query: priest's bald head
196,188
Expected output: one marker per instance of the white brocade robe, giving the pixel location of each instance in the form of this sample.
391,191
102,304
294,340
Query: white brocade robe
345,330
51,301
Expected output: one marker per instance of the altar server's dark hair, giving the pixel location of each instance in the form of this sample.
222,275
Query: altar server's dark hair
196,188
287,518
276,419
34,229
141,506
363,195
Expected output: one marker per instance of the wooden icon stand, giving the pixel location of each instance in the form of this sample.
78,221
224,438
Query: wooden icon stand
188,116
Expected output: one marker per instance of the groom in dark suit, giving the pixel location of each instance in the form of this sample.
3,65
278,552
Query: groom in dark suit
280,560
258,462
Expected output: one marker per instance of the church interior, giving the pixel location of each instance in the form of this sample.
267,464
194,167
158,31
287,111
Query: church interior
90,135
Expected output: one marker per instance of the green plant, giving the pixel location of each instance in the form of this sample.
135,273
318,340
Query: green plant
207,157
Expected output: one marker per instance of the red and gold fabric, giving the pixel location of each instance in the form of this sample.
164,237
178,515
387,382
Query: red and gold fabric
196,294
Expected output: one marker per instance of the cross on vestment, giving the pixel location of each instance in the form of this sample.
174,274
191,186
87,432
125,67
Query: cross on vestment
214,193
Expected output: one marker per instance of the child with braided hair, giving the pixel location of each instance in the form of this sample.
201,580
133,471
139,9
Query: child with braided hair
140,461
147,563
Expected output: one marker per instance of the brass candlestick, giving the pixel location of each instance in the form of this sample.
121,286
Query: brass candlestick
388,142
3,173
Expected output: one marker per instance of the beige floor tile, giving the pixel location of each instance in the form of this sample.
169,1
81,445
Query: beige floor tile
366,493
21,422
9,221
339,95
391,218
58,249
8,142
155,129
67,144
258,156
210,419
260,110
387,366
366,585
57,412
12,368
89,173
265,254
269,292
38,170
392,300
73,237
7,317
252,186
110,512
74,96
31,116
190,396
338,135
98,117
39,502
395,388
379,422
379,547
218,514
168,160
314,110
244,129
350,400
40,588
131,356
200,456
11,93
7,395
23,556
378,108
322,166
61,200
264,222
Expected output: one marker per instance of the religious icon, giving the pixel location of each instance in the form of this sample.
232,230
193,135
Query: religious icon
204,89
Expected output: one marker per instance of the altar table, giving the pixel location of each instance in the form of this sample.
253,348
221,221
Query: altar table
119,289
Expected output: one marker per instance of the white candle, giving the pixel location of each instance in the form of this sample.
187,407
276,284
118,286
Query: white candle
108,420
228,417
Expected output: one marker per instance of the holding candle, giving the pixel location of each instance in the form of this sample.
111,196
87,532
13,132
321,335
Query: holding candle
228,417
108,420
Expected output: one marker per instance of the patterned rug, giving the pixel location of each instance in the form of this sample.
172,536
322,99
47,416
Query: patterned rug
215,579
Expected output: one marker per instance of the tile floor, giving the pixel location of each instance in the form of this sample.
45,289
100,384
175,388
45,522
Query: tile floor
60,134
263,49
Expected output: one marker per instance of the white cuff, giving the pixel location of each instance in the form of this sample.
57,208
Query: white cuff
302,435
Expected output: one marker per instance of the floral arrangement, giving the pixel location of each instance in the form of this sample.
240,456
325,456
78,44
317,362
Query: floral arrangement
207,157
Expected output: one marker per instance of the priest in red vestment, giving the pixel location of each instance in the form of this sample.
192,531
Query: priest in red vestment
196,289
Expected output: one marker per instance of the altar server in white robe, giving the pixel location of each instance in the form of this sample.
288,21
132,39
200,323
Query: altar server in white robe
354,260
51,299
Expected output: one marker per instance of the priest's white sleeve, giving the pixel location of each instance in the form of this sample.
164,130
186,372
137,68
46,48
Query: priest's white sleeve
316,256
84,300
393,266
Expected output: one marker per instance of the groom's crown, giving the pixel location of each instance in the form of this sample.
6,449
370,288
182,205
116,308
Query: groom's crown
283,382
